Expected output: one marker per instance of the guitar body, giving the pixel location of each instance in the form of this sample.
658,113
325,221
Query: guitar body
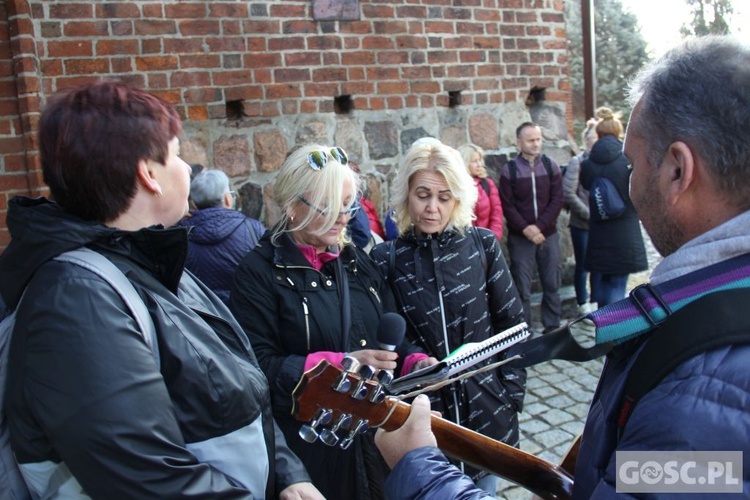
327,388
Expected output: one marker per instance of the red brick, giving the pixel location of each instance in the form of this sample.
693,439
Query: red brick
158,81
116,47
461,42
183,79
356,58
261,27
156,63
357,88
391,58
329,75
442,56
374,11
411,11
236,10
155,27
376,104
377,43
290,107
377,73
394,102
200,61
489,42
262,60
116,10
121,64
151,46
183,45
287,10
14,182
322,89
243,93
121,28
328,42
185,10
85,28
424,87
308,106
85,66
357,74
197,112
302,59
392,87
283,91
435,27
227,44
231,78
286,43
291,75
198,28
71,11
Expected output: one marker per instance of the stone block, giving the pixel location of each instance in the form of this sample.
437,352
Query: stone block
313,132
270,150
232,155
382,139
484,131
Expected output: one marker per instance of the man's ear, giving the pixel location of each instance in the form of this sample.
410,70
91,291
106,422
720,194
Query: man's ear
679,171
147,179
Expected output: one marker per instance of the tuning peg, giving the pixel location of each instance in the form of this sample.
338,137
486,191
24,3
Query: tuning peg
343,384
308,432
385,377
360,390
350,364
361,427
328,436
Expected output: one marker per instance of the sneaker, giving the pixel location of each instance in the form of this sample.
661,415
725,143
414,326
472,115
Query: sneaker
586,308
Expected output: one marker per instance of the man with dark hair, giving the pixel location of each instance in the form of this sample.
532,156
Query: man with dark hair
532,197
688,141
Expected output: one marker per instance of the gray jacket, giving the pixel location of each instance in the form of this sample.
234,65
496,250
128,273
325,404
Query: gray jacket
575,196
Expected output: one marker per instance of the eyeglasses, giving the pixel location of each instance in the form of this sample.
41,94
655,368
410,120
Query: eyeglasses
318,159
350,212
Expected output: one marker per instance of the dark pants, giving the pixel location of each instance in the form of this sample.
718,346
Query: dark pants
525,256
580,239
608,288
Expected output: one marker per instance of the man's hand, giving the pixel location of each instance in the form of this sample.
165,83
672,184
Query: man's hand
377,358
415,433
534,234
300,491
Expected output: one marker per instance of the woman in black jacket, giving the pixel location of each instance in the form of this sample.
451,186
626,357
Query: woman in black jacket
305,294
615,247
452,285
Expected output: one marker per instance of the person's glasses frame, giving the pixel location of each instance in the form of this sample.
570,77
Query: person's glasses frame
349,212
318,159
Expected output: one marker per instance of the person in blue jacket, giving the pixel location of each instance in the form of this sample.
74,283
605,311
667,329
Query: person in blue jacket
220,236
688,142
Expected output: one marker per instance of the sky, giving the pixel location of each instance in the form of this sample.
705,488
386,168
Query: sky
660,21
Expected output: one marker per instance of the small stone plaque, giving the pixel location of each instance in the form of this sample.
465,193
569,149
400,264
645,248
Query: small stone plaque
336,10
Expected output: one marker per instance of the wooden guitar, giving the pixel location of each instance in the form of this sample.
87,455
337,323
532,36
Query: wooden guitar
339,403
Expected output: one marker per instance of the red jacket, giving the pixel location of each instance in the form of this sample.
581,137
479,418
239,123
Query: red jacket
372,214
489,209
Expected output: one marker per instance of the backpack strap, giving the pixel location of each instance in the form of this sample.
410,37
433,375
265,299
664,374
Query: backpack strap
391,259
479,243
485,186
716,320
105,269
547,165
512,174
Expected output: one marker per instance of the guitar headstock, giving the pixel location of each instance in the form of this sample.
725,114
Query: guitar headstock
340,403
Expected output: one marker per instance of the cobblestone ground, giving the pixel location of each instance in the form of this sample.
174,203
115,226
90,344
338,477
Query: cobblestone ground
558,395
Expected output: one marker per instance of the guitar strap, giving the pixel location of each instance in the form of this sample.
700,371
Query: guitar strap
645,308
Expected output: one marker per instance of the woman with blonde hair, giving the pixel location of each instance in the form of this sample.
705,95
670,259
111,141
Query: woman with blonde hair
452,285
615,247
488,210
305,294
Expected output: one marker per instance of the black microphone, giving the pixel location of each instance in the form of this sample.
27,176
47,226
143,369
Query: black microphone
391,331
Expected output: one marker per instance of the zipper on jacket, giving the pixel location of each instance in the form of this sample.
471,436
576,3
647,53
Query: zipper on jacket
375,293
307,321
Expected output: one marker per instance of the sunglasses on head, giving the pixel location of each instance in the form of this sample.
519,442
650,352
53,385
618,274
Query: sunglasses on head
350,212
318,159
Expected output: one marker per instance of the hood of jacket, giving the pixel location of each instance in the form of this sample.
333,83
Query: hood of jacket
606,150
41,230
212,225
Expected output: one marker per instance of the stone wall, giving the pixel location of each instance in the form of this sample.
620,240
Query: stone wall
253,79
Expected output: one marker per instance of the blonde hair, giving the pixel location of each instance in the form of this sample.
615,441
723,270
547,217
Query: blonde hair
322,188
467,153
445,160
609,123
589,135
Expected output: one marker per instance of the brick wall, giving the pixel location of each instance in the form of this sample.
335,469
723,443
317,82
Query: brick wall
253,79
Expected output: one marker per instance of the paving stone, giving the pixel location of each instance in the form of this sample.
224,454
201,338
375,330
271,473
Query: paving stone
560,401
545,391
557,417
536,425
536,408
553,437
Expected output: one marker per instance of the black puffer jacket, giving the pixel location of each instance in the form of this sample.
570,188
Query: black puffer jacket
443,276
615,245
83,385
289,310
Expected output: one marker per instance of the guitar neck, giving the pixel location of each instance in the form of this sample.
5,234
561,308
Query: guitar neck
539,476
